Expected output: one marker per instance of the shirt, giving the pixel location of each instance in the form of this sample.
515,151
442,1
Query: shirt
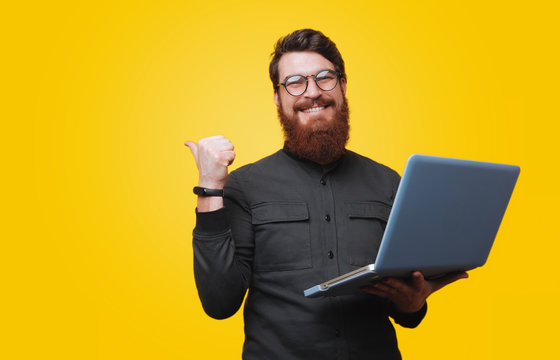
289,224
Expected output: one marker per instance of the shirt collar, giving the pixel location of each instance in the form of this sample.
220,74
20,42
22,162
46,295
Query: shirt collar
325,168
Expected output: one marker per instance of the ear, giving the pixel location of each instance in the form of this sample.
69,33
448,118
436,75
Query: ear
343,86
276,98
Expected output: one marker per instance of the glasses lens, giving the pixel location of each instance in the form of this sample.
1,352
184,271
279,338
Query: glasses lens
296,84
326,80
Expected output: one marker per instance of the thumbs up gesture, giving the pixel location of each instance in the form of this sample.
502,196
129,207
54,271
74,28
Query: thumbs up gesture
213,155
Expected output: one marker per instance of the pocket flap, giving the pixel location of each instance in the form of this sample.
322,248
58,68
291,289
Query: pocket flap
369,209
279,212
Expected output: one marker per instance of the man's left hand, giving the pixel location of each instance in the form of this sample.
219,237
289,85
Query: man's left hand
410,295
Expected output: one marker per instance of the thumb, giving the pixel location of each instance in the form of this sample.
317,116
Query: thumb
194,148
417,279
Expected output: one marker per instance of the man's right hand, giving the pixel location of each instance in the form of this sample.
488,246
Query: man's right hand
213,155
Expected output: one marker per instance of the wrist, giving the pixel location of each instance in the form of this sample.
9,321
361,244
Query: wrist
207,204
409,308
211,184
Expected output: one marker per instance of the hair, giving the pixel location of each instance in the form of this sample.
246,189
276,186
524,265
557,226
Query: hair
305,40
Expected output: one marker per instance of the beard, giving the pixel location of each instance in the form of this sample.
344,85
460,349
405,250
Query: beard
323,141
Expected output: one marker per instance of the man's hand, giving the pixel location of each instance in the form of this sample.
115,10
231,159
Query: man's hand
410,295
213,155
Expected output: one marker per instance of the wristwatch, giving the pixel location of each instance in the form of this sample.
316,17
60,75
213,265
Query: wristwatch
200,191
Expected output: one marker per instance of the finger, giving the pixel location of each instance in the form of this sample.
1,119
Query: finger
417,279
208,141
223,145
448,279
384,287
373,291
225,158
396,284
213,146
213,142
229,157
215,137
457,275
193,147
451,278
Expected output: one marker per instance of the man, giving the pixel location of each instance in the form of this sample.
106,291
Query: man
311,211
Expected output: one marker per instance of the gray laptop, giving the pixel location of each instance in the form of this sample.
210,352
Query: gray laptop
445,217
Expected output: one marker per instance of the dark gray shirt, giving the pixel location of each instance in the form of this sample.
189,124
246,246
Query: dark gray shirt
289,224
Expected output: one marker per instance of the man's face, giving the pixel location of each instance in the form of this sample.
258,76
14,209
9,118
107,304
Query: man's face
304,107
315,123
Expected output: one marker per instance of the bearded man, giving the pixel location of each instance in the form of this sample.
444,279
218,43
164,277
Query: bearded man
310,212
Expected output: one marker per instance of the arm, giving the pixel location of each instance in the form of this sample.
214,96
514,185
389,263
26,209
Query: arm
221,267
221,270
409,296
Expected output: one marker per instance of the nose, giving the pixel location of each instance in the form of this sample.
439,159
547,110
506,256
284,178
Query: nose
313,91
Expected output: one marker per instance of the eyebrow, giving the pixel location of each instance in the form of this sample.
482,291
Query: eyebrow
289,76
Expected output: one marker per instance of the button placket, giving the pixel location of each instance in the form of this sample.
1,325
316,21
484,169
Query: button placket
329,225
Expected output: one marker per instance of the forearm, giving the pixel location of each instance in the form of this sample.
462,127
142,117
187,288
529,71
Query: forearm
220,282
209,203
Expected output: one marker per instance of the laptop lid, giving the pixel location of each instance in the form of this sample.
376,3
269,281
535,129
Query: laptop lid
445,216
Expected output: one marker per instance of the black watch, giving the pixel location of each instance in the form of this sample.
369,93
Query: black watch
200,191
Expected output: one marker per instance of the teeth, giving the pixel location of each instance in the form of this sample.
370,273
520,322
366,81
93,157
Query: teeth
314,109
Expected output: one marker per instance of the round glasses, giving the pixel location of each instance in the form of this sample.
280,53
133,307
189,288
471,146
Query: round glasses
296,85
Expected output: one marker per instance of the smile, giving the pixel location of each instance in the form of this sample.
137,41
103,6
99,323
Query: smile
314,109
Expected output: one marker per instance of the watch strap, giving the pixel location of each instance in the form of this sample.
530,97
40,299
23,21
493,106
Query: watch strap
200,191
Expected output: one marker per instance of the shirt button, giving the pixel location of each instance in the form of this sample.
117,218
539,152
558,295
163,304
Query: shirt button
330,254
327,218
323,181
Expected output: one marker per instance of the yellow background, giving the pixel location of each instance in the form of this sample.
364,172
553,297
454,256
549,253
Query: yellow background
98,98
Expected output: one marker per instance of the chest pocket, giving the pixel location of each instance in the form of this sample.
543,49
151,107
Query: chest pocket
282,239
366,224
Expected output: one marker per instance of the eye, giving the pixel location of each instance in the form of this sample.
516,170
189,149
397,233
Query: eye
326,75
295,80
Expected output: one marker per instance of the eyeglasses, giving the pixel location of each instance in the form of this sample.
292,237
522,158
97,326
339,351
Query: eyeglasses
296,85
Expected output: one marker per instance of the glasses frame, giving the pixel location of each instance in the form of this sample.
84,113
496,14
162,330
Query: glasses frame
307,81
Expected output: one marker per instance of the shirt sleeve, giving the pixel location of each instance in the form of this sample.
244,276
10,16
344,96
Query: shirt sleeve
408,320
222,264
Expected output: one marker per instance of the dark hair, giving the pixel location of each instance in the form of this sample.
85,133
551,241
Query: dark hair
305,40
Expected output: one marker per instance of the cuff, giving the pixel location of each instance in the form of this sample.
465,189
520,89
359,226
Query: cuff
211,222
410,320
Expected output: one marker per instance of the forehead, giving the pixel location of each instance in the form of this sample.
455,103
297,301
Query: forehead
302,63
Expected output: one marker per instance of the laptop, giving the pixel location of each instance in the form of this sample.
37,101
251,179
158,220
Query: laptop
445,217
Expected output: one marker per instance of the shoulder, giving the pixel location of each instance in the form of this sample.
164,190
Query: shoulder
265,164
261,177
264,170
379,178
355,159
